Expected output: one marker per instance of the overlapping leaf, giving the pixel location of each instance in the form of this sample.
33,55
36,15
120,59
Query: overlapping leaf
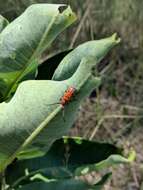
34,120
70,184
96,49
65,159
24,39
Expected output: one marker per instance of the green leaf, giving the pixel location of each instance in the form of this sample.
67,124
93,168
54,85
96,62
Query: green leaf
110,161
71,184
34,120
3,23
24,39
96,49
65,157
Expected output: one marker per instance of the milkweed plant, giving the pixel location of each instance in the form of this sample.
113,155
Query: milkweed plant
35,152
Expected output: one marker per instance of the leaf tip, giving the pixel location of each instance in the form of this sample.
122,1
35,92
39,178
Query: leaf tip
68,11
115,38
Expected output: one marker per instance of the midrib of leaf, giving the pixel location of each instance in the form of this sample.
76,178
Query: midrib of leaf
31,58
34,134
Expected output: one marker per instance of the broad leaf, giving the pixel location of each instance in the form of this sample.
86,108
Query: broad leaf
66,157
32,116
34,120
110,161
71,184
96,49
24,39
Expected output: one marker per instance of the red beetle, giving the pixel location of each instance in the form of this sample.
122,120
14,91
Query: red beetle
69,93
66,98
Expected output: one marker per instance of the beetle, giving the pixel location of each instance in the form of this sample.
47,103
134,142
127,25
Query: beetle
68,95
66,98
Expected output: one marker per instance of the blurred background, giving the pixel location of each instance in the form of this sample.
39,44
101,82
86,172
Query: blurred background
114,112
